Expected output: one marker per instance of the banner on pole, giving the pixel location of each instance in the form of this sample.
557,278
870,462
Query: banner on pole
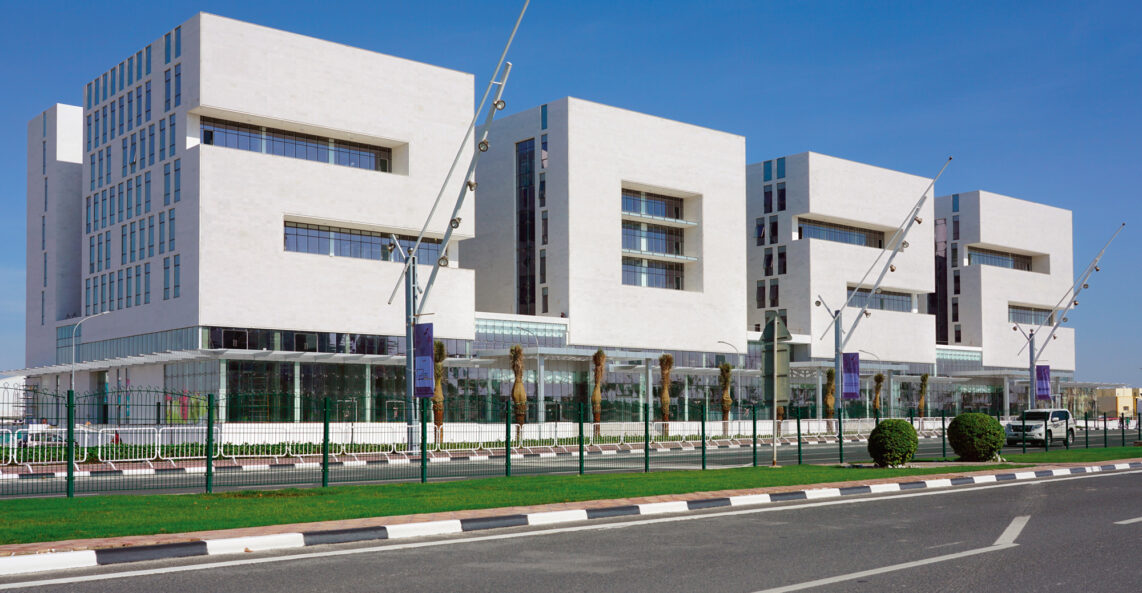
1042,382
423,360
850,385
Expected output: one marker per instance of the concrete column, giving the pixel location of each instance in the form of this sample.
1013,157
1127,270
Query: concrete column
540,380
820,394
649,387
1006,396
297,392
368,392
221,390
686,398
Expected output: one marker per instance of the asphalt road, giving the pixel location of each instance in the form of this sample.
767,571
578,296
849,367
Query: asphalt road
660,461
1063,534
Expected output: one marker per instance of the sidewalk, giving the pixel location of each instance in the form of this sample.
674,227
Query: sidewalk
15,559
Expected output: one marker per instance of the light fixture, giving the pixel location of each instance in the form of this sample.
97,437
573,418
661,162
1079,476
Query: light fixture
1085,286
483,146
1076,302
471,186
892,268
454,223
1015,328
443,261
818,303
1097,269
1066,319
1054,337
500,104
904,245
868,313
918,220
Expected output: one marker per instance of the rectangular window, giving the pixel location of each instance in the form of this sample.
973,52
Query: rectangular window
652,274
178,278
100,168
177,41
130,69
132,241
130,197
959,335
955,202
162,232
956,282
43,232
129,286
148,59
759,230
138,285
148,87
780,260
119,291
543,151
167,90
759,294
123,115
543,117
323,240
177,85
88,136
151,144
91,167
166,184
781,197
648,204
99,252
542,261
112,119
652,237
87,296
774,293
163,139
124,159
772,230
167,48
138,106
102,293
91,254
88,104
103,209
768,167
134,155
146,192
768,199
166,278
811,229
172,135
956,310
1029,315
955,255
150,236
989,257
883,300
542,190
142,154
107,252
781,168
544,299
525,226
543,228
146,283
170,231
95,136
129,115
277,142
45,269
956,227
103,132
767,266
123,246
177,180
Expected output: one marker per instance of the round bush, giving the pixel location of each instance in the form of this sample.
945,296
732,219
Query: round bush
976,437
892,442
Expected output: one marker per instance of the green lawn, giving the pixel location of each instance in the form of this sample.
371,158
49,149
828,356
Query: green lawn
1075,455
52,519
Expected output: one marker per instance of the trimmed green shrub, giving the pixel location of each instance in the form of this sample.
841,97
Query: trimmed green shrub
976,437
892,442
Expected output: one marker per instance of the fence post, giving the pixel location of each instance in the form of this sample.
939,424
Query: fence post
209,443
1138,425
1023,422
325,442
581,447
70,443
943,433
1046,433
1122,428
798,436
841,434
1086,428
158,413
508,439
646,438
754,416
1105,433
703,437
1067,432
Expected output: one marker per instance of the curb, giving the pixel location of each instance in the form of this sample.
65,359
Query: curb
434,457
30,563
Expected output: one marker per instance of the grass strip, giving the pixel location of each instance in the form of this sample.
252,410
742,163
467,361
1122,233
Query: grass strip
1075,455
54,519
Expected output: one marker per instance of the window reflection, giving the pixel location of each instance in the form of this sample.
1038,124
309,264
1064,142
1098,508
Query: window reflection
217,132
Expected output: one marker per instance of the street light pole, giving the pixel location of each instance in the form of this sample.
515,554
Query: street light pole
74,329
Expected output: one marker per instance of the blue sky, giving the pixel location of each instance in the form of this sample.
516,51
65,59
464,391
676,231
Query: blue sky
1038,100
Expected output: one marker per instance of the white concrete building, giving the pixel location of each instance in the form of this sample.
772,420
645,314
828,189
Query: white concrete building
817,224
623,221
1001,262
239,189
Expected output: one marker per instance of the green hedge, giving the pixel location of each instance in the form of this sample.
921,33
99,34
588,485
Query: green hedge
976,437
892,443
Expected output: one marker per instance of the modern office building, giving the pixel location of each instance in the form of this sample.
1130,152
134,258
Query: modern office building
1002,264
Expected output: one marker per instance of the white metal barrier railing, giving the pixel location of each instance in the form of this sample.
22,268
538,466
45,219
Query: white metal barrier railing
7,447
125,445
48,446
183,443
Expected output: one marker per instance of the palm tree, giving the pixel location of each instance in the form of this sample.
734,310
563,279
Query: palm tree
878,384
923,394
600,361
830,393
519,393
438,356
665,364
724,375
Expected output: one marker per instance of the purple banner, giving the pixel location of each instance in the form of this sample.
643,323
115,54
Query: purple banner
423,360
1043,382
850,385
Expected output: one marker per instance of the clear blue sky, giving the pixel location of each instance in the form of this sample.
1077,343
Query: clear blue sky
1038,100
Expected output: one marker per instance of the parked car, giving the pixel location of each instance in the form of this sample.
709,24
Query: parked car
1056,423
42,439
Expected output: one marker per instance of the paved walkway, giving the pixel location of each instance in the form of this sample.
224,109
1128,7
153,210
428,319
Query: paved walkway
143,540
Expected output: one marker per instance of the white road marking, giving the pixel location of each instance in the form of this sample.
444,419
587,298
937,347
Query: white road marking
1129,521
514,535
1012,532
